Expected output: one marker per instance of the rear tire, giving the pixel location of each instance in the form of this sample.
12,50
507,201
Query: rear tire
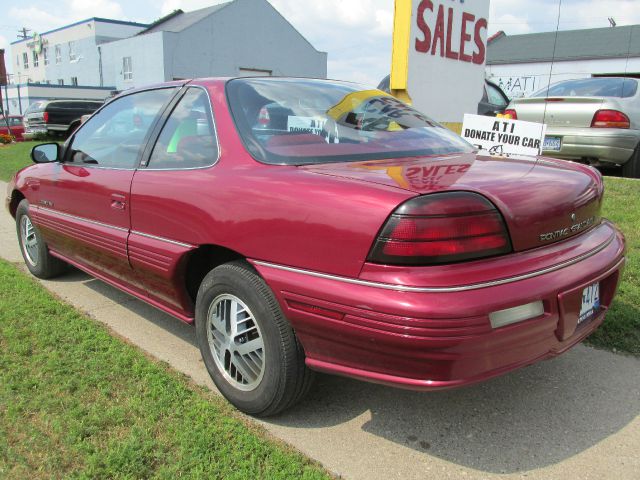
248,346
631,169
34,249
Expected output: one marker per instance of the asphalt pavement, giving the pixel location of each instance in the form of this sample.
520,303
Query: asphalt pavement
573,417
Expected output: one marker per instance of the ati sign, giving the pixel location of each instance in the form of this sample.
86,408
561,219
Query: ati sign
501,136
447,54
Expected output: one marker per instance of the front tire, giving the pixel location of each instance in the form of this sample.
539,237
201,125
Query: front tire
34,249
631,169
248,347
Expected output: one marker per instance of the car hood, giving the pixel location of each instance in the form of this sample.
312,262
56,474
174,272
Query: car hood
542,200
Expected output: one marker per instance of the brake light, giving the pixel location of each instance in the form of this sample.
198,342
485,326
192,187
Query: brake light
441,228
511,113
45,117
610,119
263,116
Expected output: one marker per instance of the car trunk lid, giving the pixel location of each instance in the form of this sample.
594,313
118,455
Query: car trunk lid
542,200
560,111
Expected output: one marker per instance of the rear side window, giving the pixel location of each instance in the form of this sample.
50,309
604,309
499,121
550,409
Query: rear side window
592,87
187,139
114,137
35,107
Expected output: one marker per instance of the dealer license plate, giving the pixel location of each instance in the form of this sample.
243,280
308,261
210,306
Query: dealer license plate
553,144
590,302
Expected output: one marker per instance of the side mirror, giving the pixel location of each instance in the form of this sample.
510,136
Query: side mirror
46,153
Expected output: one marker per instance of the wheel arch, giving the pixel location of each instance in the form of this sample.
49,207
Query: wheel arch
200,261
16,197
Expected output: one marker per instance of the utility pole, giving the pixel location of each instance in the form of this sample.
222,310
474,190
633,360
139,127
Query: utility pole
23,33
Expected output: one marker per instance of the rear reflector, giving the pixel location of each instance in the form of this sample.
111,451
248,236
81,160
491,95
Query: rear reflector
521,313
610,119
441,228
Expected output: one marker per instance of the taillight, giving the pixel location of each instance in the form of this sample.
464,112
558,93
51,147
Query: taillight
441,228
511,113
610,119
45,117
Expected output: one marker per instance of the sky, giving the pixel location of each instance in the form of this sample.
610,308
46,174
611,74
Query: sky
355,33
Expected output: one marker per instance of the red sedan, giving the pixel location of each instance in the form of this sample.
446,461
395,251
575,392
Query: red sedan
307,225
15,128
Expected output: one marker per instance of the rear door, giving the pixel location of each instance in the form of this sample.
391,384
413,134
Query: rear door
166,216
84,210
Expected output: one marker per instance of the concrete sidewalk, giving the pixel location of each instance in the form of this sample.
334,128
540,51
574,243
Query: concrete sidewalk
575,417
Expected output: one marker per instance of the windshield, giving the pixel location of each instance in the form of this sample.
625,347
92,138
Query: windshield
303,121
592,87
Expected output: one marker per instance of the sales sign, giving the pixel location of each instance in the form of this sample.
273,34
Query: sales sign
439,55
502,136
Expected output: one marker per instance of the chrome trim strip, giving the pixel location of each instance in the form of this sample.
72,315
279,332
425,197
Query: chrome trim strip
161,239
94,222
462,288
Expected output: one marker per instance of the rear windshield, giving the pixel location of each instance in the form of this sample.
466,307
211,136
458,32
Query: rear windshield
303,121
35,107
592,87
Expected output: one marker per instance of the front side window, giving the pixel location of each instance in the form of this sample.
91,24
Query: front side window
36,59
58,51
115,136
25,60
127,68
304,121
188,138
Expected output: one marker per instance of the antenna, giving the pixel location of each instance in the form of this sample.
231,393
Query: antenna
23,33
553,58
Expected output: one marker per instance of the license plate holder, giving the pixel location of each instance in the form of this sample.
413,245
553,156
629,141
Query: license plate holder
552,143
590,303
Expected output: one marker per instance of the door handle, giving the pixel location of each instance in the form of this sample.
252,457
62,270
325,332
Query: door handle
118,201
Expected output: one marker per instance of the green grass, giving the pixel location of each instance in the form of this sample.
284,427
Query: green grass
621,329
76,402
13,157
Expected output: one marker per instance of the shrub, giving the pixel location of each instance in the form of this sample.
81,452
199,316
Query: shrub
4,138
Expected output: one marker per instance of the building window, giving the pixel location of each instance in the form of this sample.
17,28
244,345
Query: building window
18,61
45,55
58,49
127,68
25,60
74,81
60,81
36,59
72,52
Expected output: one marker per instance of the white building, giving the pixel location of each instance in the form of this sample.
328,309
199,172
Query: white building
69,55
524,64
239,37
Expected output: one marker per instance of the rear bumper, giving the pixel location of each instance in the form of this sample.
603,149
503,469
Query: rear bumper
439,338
605,144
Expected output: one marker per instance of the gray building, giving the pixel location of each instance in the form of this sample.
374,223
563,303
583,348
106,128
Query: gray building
240,37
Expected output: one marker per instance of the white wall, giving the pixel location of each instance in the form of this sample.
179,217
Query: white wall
523,79
146,52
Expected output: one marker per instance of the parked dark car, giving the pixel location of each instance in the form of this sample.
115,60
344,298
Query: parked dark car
16,128
57,116
493,101
309,225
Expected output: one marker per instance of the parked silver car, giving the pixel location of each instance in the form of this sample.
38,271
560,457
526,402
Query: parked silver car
591,120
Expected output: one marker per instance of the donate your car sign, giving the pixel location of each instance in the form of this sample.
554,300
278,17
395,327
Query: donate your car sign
502,136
